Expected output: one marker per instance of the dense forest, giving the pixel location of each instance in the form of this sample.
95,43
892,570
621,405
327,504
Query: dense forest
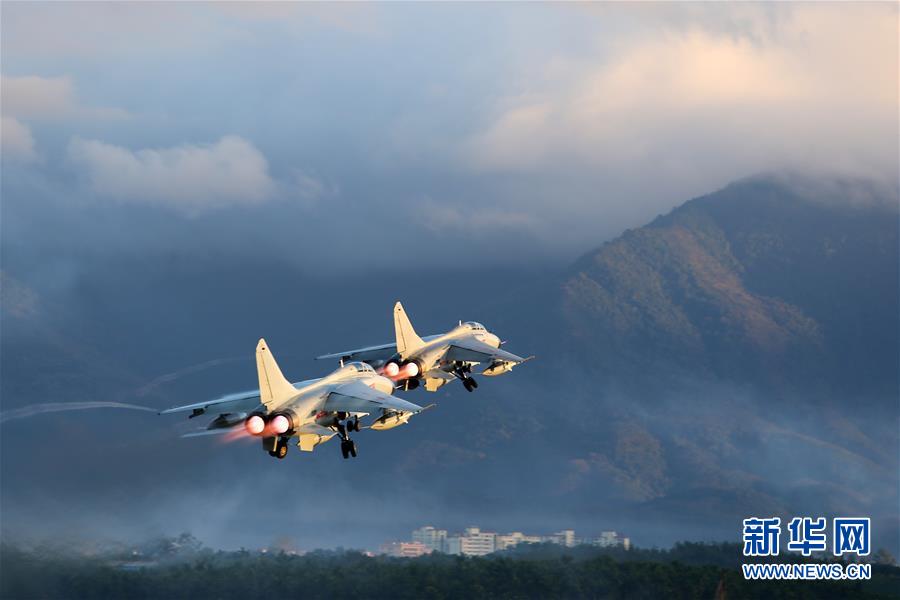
182,568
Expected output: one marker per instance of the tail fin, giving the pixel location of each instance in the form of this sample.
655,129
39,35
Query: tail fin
407,340
274,389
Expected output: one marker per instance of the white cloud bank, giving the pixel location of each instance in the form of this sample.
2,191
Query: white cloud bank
191,177
47,98
33,98
815,85
16,141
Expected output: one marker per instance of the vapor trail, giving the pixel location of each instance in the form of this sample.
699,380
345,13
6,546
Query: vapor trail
168,377
39,409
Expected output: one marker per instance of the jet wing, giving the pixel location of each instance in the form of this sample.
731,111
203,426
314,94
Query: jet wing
358,397
472,350
239,402
370,353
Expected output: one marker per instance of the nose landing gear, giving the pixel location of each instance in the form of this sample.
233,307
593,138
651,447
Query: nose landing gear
348,446
464,373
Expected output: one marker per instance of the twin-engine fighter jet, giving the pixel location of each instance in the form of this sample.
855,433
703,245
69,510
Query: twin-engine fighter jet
435,359
313,410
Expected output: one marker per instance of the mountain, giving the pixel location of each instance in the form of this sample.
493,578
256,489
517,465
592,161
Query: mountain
778,281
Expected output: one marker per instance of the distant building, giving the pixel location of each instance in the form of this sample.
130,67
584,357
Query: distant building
404,549
473,542
611,539
433,539
511,540
565,538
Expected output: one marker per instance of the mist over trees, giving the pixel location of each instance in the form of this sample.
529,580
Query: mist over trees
182,568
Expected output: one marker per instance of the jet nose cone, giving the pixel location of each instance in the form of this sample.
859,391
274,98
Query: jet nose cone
493,340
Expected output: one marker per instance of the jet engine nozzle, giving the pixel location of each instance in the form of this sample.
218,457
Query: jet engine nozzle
409,370
255,424
391,369
279,424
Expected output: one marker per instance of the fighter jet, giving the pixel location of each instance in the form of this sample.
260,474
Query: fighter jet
313,411
435,359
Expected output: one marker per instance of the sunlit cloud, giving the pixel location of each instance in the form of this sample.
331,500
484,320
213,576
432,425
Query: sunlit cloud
16,141
191,177
820,91
34,97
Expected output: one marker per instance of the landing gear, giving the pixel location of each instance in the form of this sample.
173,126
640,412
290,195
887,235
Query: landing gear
348,448
281,449
463,372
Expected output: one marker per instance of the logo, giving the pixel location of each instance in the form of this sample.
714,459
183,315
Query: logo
806,535
761,536
851,536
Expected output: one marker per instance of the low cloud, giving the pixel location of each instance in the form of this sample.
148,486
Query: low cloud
190,177
33,97
16,141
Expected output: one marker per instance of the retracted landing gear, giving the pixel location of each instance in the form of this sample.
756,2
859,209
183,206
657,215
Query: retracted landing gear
348,446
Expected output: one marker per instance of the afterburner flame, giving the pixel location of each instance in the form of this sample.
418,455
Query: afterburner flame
279,424
238,433
391,369
410,370
255,425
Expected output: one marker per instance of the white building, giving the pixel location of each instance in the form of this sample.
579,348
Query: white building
510,540
433,539
611,539
404,549
473,542
566,538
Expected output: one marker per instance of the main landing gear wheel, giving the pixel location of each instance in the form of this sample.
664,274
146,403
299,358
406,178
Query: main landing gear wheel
470,384
348,448
280,450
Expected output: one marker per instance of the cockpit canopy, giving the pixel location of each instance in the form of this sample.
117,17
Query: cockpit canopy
359,367
475,326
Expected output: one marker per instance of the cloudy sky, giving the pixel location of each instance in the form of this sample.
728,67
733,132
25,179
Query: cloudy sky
436,133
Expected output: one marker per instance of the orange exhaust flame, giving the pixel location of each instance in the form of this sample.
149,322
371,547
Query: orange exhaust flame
391,370
238,433
254,425
410,370
279,425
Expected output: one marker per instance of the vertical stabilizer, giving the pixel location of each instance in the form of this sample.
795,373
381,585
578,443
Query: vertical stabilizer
407,340
274,389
